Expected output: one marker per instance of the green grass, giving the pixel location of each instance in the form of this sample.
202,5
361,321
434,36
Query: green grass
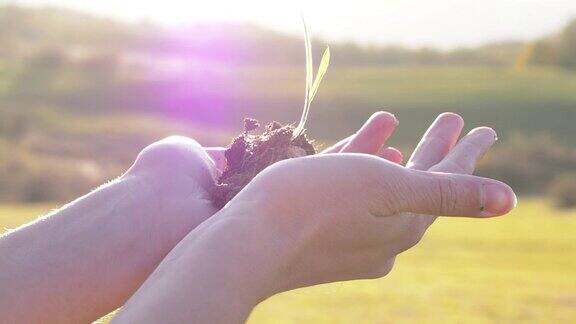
519,268
532,101
528,102
14,215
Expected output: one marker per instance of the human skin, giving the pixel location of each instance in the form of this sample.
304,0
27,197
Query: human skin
87,258
318,219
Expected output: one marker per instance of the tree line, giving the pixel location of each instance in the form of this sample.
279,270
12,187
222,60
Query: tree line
555,50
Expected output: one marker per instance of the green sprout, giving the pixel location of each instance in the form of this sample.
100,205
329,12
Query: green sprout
311,87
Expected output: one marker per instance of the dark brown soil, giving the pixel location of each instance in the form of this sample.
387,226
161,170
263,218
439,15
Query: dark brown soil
249,154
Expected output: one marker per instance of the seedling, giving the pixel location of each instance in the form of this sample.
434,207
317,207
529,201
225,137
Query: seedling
249,154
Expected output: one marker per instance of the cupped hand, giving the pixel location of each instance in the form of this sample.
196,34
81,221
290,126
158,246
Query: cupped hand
338,217
317,219
182,174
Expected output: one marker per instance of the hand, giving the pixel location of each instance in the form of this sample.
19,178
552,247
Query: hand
342,217
317,219
103,246
182,173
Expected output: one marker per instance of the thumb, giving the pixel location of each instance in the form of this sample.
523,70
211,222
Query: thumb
447,194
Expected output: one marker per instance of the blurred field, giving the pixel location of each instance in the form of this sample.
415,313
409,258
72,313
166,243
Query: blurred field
516,269
81,95
514,102
55,149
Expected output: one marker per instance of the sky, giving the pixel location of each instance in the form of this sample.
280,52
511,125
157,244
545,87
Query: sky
414,23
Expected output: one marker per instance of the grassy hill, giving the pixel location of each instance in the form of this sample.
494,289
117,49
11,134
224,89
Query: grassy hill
90,137
527,102
80,95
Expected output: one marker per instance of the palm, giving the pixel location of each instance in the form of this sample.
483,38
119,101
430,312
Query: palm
312,196
183,173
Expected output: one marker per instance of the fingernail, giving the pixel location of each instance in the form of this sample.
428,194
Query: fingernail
496,200
482,132
396,122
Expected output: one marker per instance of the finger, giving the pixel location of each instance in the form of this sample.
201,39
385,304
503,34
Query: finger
433,193
373,134
391,154
436,142
217,155
464,156
469,150
336,148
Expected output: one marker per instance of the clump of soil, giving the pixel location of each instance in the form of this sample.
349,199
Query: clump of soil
249,154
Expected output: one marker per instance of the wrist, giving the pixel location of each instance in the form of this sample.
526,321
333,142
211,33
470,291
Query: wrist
231,259
255,251
129,215
172,206
274,242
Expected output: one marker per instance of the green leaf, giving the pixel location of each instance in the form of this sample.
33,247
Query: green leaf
322,68
312,84
309,78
